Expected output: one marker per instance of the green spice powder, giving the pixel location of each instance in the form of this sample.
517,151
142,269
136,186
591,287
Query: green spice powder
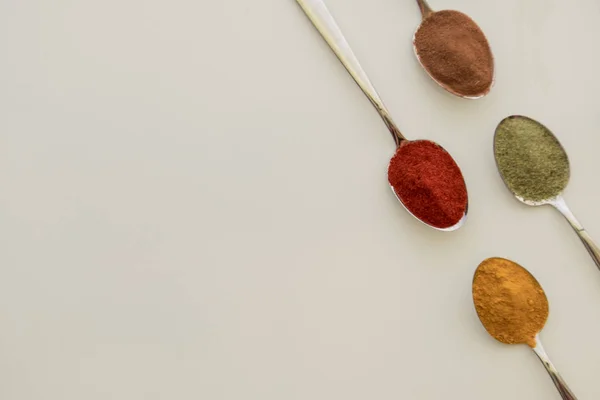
531,160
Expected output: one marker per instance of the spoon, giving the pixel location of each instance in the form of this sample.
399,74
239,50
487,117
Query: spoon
517,176
513,308
321,18
454,51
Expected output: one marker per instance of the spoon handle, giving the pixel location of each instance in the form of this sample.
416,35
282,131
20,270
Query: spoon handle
559,382
317,12
560,204
426,10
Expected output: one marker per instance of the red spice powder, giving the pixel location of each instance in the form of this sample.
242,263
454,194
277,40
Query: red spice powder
429,183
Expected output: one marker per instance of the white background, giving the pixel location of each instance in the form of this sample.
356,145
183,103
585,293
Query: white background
194,204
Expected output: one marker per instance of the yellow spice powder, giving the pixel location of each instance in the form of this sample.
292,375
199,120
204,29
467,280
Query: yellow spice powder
511,304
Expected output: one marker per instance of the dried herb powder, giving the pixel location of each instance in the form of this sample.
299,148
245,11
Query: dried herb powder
455,52
509,301
531,160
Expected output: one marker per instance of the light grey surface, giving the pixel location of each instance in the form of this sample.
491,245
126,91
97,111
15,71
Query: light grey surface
194,204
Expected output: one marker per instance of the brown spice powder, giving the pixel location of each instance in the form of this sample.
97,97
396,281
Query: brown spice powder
455,52
511,304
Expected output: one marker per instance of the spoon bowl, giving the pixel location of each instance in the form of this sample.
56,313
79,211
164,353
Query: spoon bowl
448,75
416,185
509,301
535,168
517,150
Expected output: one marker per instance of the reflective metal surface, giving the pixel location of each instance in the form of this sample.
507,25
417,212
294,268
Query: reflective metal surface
560,204
559,382
317,12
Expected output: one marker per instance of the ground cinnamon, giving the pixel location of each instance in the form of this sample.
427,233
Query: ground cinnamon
511,304
455,52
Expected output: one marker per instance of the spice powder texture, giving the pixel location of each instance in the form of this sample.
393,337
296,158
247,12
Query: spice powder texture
531,161
455,52
429,183
511,304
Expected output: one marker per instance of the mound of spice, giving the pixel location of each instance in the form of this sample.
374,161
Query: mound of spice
531,160
511,304
455,52
429,183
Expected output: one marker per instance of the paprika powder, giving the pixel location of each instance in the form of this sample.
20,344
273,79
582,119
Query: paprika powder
429,183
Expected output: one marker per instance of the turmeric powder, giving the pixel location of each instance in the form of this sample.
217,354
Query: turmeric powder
510,303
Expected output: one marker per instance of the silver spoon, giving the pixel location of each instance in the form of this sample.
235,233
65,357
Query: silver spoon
555,198
482,297
317,12
426,12
559,382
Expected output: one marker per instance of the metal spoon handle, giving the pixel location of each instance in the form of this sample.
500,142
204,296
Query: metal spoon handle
560,204
559,382
426,10
317,12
